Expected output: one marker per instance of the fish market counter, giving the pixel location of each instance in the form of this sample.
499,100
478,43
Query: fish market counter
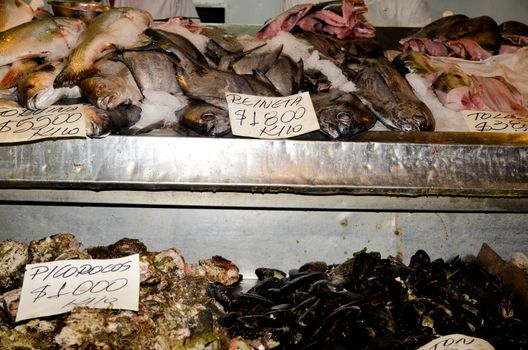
280,202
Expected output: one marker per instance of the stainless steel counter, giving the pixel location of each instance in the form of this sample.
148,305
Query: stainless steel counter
278,203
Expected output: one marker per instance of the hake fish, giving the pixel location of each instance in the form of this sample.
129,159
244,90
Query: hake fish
16,12
49,38
117,28
35,90
112,86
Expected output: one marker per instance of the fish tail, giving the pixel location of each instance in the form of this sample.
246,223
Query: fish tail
70,78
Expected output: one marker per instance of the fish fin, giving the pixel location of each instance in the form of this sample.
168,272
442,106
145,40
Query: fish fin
9,80
141,41
262,77
70,78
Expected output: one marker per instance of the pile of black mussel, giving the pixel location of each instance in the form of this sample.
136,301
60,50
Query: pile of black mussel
372,303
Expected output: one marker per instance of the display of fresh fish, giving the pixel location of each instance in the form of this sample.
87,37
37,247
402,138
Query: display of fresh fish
205,83
152,70
391,99
35,90
205,119
16,12
112,86
10,74
117,28
342,115
50,39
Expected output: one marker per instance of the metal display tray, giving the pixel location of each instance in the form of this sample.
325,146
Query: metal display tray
385,163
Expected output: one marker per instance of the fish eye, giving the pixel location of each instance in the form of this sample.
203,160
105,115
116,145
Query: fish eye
207,117
344,117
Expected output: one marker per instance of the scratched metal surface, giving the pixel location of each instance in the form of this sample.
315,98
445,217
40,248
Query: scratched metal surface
459,164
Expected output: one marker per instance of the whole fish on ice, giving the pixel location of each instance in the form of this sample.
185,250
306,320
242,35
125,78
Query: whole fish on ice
117,28
390,97
49,38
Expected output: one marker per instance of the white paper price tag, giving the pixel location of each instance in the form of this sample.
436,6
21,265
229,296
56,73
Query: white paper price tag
457,342
57,287
481,121
271,117
20,124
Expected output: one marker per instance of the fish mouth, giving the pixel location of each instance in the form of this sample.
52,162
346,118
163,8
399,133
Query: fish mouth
219,129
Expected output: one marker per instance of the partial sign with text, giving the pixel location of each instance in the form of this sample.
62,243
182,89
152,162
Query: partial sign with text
482,121
271,117
57,287
457,342
20,124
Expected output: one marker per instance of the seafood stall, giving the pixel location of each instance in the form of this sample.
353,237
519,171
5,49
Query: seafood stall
402,175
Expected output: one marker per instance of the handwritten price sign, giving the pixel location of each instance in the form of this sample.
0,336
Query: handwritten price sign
495,122
20,124
271,117
457,342
57,287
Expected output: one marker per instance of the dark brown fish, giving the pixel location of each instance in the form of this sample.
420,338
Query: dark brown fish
101,123
514,32
199,81
205,119
390,97
342,115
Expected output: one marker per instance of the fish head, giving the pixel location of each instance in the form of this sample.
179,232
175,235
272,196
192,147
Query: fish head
35,89
343,120
413,117
207,120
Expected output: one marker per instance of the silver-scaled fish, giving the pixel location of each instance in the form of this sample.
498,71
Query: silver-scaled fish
112,86
50,39
117,28
16,12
